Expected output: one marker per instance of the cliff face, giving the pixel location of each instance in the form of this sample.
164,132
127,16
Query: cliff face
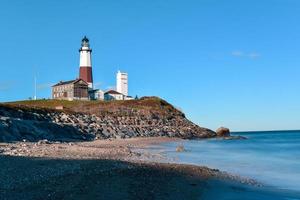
148,117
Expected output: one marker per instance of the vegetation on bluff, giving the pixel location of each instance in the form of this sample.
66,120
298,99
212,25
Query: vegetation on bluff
146,104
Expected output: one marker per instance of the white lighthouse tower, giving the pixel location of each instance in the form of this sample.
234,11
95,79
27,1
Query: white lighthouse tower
85,72
122,83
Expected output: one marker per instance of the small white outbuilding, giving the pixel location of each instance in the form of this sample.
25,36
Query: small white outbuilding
113,95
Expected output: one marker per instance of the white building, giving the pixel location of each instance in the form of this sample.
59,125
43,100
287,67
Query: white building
113,95
96,94
122,83
128,98
99,95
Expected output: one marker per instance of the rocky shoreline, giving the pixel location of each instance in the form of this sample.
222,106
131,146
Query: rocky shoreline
20,122
35,170
113,169
93,151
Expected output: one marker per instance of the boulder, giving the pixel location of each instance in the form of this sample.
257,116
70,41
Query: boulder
223,132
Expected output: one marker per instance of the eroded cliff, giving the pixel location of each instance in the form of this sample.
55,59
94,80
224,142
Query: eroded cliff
88,120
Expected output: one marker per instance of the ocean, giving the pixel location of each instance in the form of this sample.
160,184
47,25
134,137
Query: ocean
271,158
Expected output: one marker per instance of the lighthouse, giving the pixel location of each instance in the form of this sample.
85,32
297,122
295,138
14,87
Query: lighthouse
85,72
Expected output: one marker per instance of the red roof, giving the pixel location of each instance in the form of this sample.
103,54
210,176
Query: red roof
112,92
69,82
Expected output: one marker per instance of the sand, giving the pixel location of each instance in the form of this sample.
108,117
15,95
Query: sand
113,170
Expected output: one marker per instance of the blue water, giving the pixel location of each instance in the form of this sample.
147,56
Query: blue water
272,158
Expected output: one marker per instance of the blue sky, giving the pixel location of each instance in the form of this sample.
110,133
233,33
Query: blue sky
231,63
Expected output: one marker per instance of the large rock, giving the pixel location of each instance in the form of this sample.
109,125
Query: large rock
223,132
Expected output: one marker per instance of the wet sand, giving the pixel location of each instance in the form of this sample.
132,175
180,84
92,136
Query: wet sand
113,170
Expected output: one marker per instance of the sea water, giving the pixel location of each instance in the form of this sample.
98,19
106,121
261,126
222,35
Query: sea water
272,158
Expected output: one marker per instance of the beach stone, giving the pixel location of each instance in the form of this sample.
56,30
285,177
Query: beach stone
223,132
106,133
180,148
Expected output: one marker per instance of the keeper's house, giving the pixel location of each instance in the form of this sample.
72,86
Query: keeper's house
113,95
71,90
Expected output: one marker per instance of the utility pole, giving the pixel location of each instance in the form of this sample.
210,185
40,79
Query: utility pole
34,98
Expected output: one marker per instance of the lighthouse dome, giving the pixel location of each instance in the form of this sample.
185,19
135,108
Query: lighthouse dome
85,42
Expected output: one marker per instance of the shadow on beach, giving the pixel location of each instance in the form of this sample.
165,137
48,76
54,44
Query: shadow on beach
44,178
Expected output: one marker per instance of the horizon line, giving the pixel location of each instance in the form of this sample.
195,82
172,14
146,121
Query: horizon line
277,130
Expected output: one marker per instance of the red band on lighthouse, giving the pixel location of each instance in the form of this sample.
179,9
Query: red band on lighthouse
86,74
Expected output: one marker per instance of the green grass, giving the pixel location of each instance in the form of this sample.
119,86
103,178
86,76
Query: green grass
153,104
